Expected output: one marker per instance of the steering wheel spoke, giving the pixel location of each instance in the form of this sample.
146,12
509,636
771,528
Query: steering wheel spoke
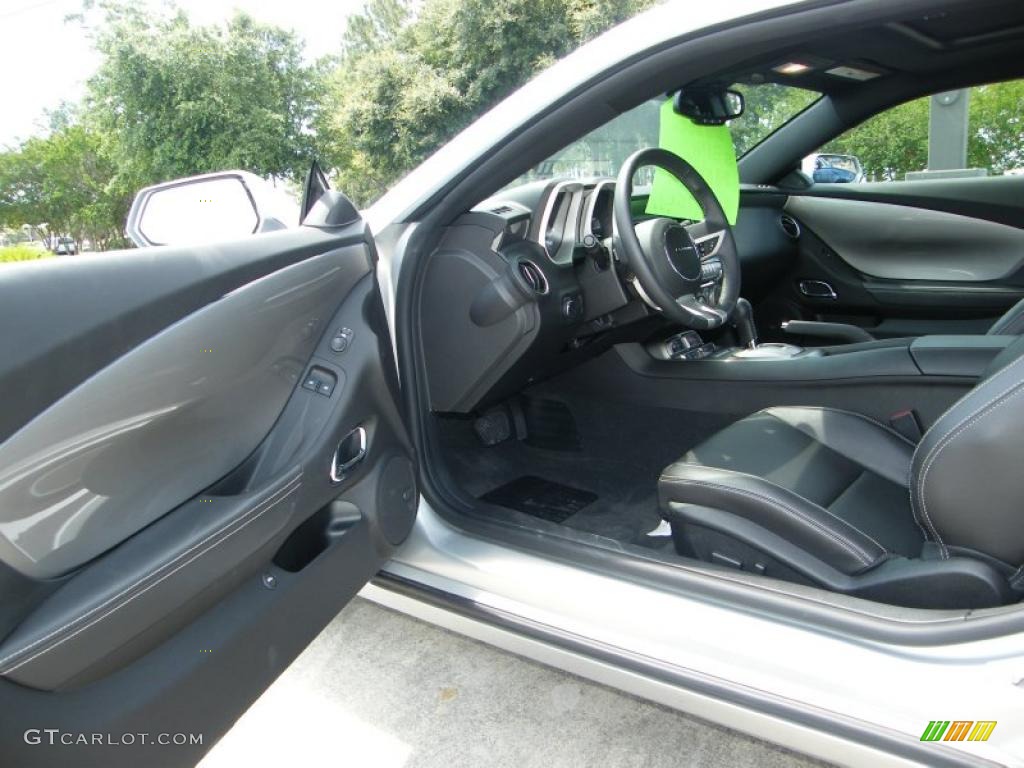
690,272
699,230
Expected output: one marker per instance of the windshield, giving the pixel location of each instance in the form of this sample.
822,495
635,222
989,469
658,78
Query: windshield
602,151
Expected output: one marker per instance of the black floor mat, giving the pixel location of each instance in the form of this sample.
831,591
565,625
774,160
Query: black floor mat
541,498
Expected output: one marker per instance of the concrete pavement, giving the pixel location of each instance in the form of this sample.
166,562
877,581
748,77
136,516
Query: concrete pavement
378,689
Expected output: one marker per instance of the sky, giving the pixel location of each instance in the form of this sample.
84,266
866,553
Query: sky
55,59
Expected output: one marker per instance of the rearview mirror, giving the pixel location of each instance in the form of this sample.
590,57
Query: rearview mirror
206,208
709,106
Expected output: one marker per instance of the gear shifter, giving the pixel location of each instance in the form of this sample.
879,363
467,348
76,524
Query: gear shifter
743,322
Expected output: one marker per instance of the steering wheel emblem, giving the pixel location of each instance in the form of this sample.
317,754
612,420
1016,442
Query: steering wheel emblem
682,253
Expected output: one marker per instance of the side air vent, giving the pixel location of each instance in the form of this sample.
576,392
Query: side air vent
789,226
533,276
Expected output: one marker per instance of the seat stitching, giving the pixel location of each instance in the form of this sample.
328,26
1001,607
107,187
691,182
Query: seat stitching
930,458
951,408
913,501
846,544
264,505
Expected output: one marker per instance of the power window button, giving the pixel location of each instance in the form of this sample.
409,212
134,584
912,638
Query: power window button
320,380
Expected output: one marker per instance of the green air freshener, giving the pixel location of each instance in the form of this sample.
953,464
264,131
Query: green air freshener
708,148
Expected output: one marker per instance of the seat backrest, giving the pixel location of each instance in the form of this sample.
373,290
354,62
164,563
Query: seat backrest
1011,323
967,474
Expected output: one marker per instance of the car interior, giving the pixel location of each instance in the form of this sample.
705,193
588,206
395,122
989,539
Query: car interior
819,392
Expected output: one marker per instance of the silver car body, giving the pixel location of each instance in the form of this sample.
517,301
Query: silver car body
817,690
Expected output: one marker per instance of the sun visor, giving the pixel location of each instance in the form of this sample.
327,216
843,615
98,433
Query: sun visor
709,149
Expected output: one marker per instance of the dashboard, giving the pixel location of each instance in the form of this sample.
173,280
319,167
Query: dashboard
527,284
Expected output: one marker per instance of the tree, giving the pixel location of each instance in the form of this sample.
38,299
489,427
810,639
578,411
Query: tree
184,99
405,85
379,24
766,108
589,18
996,138
64,183
896,141
889,144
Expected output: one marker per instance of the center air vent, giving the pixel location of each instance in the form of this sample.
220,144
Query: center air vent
533,276
789,226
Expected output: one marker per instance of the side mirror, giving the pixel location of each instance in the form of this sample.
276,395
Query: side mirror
833,169
709,106
206,208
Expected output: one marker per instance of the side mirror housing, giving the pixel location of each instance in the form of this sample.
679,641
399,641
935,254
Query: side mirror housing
214,206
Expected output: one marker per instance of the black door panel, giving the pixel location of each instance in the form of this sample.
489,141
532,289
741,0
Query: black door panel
178,623
166,419
65,319
903,258
998,199
898,242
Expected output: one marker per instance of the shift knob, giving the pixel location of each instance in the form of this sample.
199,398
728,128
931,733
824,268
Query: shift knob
743,321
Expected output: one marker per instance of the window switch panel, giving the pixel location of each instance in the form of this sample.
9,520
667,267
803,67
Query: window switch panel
320,380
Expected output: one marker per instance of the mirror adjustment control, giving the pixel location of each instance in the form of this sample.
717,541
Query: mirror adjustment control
342,338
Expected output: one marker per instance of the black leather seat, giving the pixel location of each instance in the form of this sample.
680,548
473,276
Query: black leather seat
1011,323
838,500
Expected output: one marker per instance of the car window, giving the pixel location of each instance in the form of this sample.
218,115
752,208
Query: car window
975,132
602,151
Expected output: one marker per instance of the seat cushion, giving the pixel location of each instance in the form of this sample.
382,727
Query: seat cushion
832,482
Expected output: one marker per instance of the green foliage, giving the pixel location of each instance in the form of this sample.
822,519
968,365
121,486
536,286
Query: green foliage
65,182
589,18
889,144
405,85
996,139
766,108
378,24
896,141
170,99
22,253
186,99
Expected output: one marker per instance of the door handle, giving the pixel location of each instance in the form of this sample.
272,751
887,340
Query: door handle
817,289
350,453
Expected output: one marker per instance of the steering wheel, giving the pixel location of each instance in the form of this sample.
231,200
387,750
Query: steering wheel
694,285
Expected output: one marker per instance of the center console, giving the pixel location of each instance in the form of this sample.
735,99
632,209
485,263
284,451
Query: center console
942,356
877,378
689,346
